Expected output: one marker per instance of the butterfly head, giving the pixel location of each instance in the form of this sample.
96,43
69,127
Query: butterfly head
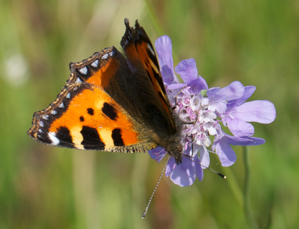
175,150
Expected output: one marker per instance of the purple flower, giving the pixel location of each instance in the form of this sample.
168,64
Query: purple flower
164,50
206,108
239,113
188,71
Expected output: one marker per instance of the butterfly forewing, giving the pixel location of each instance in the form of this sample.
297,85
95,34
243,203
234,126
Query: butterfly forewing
85,117
141,55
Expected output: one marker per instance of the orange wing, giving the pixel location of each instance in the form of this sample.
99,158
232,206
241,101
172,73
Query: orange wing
98,70
86,117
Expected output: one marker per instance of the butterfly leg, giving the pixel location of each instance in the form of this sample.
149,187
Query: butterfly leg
176,98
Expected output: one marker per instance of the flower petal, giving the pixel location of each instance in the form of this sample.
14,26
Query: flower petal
187,70
225,152
157,153
211,92
245,141
183,174
164,50
170,166
248,91
197,85
167,74
231,92
240,128
218,106
204,155
261,111
176,86
198,168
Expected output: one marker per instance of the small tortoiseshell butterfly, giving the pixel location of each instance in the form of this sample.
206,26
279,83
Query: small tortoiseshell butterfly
113,103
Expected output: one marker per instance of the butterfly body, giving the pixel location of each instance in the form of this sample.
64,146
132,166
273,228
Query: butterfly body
113,103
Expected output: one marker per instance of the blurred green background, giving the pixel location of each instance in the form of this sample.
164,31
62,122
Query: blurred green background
255,42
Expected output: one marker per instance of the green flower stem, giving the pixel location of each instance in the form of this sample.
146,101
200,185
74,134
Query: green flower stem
234,187
247,209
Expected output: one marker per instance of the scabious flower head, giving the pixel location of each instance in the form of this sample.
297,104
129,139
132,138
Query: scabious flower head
204,109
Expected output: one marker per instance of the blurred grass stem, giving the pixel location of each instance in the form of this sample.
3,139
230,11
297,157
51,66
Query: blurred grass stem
234,187
247,209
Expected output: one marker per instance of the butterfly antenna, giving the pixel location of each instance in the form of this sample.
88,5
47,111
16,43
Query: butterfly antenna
150,200
208,168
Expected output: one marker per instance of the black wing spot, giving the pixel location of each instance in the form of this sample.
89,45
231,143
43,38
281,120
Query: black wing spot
91,139
90,111
109,111
64,136
42,137
117,138
81,119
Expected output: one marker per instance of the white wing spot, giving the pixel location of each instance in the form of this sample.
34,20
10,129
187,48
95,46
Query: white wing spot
68,95
95,63
111,53
151,49
78,80
41,123
55,141
53,112
61,105
45,117
75,88
40,130
105,56
83,70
